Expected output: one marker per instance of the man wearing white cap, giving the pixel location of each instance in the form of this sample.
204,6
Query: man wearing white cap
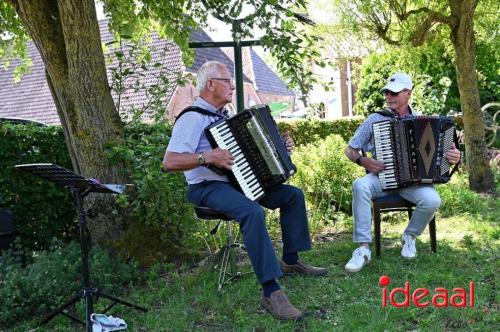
397,93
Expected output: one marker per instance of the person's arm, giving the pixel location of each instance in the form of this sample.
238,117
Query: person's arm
174,161
370,164
288,140
453,155
181,152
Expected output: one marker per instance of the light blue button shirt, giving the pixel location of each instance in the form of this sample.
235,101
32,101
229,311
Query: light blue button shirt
188,136
363,137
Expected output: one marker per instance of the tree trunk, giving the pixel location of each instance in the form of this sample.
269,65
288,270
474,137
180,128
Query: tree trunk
462,36
67,36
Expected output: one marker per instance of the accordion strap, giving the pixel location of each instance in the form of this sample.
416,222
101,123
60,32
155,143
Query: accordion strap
198,110
391,114
203,111
455,139
454,169
386,112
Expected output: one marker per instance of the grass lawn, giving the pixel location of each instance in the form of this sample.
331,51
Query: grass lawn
468,250
340,301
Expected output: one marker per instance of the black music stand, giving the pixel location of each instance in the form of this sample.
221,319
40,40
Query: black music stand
79,187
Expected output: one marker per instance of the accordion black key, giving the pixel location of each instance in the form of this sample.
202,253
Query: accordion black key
261,158
412,150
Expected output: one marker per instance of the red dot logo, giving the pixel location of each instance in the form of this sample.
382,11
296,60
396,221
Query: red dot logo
384,281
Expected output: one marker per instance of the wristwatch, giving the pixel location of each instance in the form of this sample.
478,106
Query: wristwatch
358,160
200,159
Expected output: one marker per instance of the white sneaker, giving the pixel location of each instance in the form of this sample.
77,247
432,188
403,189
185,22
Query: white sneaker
409,250
360,257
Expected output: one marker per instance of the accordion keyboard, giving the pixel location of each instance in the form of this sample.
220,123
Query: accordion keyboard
447,142
383,148
242,171
412,150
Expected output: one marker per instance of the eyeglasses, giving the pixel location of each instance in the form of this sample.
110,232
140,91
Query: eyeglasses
392,93
227,80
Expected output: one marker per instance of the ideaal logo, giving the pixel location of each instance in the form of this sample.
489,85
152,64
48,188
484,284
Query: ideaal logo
422,297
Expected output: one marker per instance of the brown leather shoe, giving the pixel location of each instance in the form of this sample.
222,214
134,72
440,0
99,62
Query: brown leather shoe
302,268
279,306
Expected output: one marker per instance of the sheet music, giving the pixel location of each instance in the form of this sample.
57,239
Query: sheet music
68,178
117,188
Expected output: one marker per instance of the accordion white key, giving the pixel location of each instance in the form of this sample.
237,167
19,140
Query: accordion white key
412,150
261,158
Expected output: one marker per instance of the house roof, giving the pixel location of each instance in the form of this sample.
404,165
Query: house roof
210,54
265,79
31,98
166,63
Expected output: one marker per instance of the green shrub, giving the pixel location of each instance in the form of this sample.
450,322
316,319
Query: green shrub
31,198
310,131
480,210
456,199
434,76
325,175
47,279
159,206
159,202
430,91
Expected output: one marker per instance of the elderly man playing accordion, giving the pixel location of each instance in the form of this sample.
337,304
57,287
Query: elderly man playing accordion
397,93
190,151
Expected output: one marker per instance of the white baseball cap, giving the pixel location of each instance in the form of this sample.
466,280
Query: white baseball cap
398,82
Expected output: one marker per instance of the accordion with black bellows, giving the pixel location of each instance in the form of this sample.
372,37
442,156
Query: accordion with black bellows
412,150
261,158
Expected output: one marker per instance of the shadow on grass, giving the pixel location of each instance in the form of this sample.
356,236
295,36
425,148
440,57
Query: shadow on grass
337,302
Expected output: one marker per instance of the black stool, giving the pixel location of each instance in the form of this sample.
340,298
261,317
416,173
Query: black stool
393,203
228,257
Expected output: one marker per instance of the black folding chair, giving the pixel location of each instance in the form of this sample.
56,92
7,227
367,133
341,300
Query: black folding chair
228,256
393,203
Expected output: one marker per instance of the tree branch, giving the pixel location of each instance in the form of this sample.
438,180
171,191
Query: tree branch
419,36
380,22
431,14
300,17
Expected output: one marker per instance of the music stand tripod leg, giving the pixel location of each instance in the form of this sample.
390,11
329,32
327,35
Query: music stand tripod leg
88,291
117,300
79,187
60,310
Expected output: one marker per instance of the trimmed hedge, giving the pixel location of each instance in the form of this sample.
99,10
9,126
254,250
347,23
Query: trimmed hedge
41,209
310,131
325,175
163,220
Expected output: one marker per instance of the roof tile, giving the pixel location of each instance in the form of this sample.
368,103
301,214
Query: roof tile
31,97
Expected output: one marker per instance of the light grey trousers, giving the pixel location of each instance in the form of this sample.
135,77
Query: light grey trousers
425,197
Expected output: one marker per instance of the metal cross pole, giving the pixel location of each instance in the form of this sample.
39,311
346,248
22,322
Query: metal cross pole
237,44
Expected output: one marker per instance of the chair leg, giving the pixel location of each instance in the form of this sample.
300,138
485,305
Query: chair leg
376,220
228,259
223,268
231,245
432,232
